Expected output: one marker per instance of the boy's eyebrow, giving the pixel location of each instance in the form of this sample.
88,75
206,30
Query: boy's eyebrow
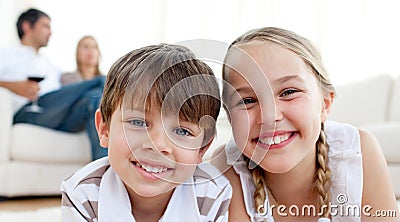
242,89
131,110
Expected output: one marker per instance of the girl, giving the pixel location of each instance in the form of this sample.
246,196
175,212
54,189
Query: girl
314,168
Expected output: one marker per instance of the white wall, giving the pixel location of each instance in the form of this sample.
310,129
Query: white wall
357,38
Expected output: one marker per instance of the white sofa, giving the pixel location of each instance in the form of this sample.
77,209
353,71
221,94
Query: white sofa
34,160
374,105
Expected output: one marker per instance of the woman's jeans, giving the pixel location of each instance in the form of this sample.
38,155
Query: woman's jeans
71,109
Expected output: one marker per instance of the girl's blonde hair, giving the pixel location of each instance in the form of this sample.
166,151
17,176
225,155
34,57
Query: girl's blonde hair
310,55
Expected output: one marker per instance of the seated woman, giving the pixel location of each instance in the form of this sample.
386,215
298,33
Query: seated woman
87,62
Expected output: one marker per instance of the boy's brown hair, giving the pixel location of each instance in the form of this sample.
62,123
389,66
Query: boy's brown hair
164,77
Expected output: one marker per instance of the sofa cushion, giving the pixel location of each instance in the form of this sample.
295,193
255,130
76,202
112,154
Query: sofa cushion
26,178
36,144
394,114
364,102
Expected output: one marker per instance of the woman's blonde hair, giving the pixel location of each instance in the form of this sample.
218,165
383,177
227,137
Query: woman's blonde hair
78,64
310,55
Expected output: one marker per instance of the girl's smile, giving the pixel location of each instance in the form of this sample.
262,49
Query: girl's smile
283,114
276,140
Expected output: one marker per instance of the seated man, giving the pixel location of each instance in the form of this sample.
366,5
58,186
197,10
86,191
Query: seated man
69,109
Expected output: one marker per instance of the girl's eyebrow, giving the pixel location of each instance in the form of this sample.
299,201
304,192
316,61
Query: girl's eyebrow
249,89
288,78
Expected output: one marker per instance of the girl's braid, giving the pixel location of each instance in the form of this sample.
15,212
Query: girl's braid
323,173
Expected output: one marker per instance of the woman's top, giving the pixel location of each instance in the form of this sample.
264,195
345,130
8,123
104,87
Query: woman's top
71,77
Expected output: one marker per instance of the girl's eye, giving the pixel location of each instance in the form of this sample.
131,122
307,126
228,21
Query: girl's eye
183,132
288,92
138,122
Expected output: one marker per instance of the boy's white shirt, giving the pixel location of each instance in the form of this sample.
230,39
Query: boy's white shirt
119,202
114,204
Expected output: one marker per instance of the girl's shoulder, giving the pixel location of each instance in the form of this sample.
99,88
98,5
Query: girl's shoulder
377,189
342,138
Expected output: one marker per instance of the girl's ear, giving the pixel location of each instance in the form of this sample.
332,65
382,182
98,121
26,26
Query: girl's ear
102,129
326,106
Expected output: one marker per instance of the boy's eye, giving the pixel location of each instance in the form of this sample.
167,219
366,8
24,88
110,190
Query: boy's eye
246,101
138,122
182,132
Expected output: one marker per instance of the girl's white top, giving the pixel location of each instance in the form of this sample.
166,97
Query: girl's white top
345,162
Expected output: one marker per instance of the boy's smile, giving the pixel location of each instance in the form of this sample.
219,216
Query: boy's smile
152,171
151,154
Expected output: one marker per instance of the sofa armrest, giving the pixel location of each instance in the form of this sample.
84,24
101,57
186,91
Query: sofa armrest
363,102
6,118
387,135
394,114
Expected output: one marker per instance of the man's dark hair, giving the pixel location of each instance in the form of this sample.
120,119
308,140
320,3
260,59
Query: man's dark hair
32,16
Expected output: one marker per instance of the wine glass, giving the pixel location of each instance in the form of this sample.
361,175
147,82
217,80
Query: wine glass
34,107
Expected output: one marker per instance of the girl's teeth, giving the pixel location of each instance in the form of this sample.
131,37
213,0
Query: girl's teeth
276,139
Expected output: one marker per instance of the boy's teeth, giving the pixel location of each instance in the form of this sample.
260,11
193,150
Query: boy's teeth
275,139
152,169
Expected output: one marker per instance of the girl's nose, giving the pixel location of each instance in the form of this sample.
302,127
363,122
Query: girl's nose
270,113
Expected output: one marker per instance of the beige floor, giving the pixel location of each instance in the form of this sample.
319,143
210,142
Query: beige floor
29,203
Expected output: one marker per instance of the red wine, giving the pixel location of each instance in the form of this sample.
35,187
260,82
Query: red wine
35,78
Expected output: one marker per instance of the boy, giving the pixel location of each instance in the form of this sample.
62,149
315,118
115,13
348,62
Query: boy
157,118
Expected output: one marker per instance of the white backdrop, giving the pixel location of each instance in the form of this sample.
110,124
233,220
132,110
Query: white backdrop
357,38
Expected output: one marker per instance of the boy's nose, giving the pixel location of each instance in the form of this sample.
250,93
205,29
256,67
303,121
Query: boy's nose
160,142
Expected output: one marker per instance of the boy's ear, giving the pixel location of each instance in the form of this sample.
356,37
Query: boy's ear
228,114
326,106
203,150
102,129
